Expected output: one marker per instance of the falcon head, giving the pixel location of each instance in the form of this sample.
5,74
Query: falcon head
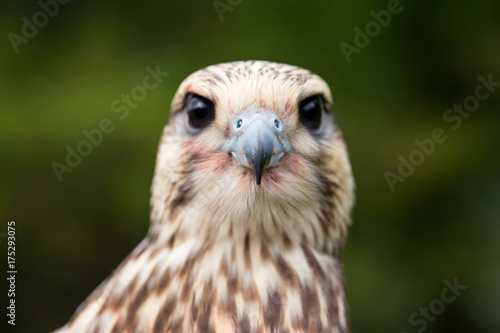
252,150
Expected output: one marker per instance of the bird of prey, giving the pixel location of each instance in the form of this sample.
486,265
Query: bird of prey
251,204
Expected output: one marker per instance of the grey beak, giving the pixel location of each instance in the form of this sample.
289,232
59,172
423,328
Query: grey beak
258,141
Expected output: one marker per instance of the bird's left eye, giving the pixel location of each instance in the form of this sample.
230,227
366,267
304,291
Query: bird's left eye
311,110
200,111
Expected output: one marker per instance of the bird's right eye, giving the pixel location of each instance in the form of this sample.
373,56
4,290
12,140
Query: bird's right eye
200,111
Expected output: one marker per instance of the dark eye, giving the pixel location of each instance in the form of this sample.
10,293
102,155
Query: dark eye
310,111
200,111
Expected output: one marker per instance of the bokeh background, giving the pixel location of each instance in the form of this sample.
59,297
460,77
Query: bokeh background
441,223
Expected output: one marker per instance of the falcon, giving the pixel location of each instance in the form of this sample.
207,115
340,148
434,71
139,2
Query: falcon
251,204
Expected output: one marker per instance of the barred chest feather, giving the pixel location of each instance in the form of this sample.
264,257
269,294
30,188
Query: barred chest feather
225,287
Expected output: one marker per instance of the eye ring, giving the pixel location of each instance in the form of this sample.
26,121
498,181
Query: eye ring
311,111
200,111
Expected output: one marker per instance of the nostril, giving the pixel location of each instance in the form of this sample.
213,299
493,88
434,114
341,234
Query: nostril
276,123
239,123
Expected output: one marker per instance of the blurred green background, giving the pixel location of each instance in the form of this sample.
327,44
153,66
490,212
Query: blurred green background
442,222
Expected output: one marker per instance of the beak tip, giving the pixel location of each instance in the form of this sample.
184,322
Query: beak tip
258,176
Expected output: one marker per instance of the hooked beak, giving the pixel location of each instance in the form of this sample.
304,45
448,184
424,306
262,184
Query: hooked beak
258,141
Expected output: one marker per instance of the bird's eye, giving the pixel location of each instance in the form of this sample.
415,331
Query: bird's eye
311,110
200,111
